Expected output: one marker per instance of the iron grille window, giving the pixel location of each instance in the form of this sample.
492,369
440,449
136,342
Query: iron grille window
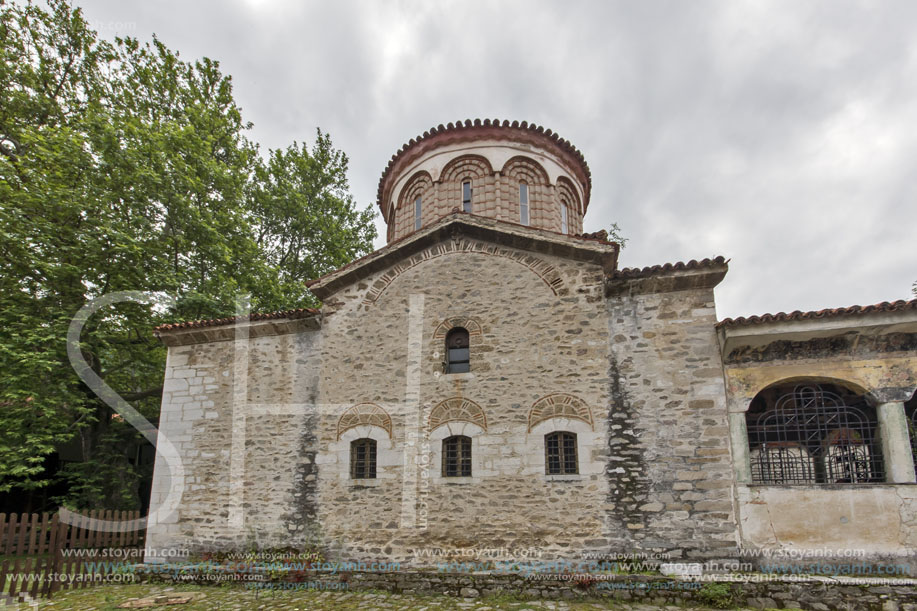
523,203
560,453
458,352
417,213
466,196
457,456
363,459
811,436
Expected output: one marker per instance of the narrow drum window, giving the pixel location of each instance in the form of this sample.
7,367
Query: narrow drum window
457,456
523,203
417,213
563,216
466,196
458,352
363,459
560,453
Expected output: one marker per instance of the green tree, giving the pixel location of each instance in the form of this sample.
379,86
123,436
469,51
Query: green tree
123,167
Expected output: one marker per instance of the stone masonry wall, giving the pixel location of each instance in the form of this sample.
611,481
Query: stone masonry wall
535,340
670,473
240,414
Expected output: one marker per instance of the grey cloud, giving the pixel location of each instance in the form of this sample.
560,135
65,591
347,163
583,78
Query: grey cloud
778,134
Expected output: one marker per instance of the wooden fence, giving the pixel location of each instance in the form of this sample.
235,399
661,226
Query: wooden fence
36,563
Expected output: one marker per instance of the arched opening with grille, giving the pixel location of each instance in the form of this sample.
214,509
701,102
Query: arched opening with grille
457,456
813,433
560,456
363,458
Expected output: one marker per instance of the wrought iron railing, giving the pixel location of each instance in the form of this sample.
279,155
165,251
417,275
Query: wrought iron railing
810,436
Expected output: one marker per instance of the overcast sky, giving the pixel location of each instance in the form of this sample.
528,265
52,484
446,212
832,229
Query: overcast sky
781,135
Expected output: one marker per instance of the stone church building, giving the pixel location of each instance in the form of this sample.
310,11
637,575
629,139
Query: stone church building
492,379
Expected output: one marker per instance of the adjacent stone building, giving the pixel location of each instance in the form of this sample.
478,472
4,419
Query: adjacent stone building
491,379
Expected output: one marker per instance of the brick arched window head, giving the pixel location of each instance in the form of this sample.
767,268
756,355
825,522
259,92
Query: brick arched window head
457,456
363,459
458,353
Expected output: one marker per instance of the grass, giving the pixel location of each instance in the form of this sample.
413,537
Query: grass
236,598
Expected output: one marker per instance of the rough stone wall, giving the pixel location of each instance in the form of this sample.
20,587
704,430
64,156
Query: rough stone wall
240,414
536,339
670,473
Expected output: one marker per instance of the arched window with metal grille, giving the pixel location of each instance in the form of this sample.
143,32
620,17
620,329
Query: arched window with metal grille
457,456
560,453
813,434
363,459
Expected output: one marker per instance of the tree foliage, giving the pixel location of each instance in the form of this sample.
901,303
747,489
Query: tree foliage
123,167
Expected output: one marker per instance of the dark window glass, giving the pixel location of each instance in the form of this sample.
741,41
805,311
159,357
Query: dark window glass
458,354
523,203
457,456
560,453
466,196
417,213
363,459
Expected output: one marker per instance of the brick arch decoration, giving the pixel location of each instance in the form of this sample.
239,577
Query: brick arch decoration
364,413
469,324
565,189
457,409
547,272
420,184
559,405
524,168
466,166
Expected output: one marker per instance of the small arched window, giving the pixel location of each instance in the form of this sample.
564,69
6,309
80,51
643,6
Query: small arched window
466,196
523,203
563,215
457,456
458,353
560,453
417,213
363,459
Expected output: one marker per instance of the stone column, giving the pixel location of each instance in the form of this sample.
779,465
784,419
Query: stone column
738,435
896,443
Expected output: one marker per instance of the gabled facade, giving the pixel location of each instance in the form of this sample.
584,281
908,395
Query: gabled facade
491,379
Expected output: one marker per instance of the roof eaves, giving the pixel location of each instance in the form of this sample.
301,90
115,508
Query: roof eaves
855,310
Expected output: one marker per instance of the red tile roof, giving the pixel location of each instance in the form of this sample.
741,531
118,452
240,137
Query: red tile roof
217,322
885,306
634,272
458,126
